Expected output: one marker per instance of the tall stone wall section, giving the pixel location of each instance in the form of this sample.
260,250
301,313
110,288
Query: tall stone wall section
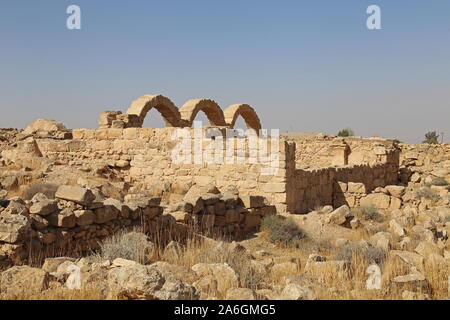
322,151
143,156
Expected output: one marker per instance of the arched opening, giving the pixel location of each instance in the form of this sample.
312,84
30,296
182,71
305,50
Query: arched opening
163,105
154,119
211,109
236,111
201,119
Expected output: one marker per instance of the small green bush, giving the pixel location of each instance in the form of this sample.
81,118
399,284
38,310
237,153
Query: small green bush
126,245
431,137
427,193
438,181
281,230
346,133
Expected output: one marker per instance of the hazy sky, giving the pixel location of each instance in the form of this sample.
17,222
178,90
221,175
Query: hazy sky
306,66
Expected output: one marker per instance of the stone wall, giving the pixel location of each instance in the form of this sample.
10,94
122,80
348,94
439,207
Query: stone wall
312,188
143,158
80,218
427,160
322,151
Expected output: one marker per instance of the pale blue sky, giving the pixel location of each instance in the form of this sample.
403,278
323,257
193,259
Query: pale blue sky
305,66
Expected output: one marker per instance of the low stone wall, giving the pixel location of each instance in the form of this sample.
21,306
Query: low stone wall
77,221
337,186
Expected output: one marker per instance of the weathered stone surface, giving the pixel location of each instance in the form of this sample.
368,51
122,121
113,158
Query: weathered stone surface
240,294
38,222
294,291
16,206
84,217
377,200
146,282
426,248
14,228
76,194
44,207
44,126
223,274
51,264
410,259
253,201
105,214
339,216
396,191
20,281
64,219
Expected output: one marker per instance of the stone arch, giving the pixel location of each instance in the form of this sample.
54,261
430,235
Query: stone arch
212,110
168,110
245,111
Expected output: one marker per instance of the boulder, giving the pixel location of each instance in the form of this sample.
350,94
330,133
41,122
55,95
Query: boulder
23,280
240,294
408,259
295,291
426,248
397,228
412,280
339,216
377,200
76,194
84,217
396,191
64,219
146,282
105,214
51,264
14,228
222,273
44,207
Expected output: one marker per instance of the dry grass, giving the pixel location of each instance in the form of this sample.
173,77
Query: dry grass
126,245
59,292
330,284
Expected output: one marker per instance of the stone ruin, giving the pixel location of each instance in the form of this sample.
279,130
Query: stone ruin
312,172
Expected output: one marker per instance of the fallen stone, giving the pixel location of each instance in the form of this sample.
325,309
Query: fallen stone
77,194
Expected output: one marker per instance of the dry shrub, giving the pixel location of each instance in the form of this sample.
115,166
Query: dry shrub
368,213
438,181
437,276
427,193
282,231
371,254
197,250
126,245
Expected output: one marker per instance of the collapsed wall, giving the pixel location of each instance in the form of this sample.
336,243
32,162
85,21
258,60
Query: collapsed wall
78,219
429,160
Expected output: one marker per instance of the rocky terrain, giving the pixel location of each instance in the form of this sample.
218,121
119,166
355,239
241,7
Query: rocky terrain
85,233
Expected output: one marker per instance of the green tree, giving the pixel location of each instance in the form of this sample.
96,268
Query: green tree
431,137
346,133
